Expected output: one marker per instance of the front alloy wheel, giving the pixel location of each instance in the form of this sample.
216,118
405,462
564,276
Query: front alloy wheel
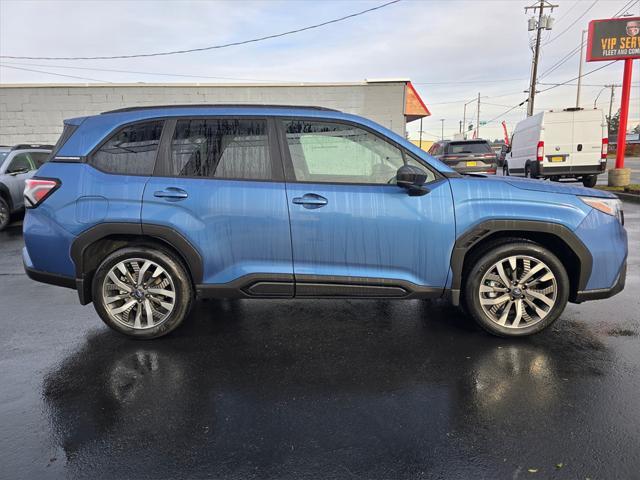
516,288
518,291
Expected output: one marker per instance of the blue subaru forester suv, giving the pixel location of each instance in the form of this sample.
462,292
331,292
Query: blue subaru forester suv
143,210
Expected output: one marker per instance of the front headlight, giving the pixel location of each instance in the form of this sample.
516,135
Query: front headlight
610,206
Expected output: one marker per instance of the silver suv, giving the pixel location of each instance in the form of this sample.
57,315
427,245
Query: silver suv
16,165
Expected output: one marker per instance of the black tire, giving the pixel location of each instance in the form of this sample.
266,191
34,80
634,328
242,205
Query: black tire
527,171
502,250
505,169
5,214
590,181
173,267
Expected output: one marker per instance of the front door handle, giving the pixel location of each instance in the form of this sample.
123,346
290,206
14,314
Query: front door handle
171,194
311,200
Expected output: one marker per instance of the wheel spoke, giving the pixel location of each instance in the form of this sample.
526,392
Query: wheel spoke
518,317
160,291
492,289
494,301
109,300
149,312
532,272
503,274
505,313
142,271
137,323
123,286
541,297
123,307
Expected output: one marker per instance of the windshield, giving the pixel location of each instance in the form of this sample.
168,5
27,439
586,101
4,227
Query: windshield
469,147
3,155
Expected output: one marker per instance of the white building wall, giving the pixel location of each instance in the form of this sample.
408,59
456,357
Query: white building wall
34,113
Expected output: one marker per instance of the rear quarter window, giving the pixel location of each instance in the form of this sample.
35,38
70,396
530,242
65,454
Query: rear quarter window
131,151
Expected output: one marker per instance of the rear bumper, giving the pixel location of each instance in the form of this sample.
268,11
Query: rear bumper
551,170
599,294
45,277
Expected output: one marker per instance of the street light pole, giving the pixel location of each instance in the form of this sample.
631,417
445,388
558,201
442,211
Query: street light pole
478,118
442,129
580,69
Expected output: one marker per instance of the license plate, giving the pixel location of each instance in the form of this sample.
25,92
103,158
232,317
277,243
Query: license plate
557,159
472,164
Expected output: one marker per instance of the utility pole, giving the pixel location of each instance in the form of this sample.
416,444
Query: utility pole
544,22
442,129
580,69
613,86
420,132
464,119
478,118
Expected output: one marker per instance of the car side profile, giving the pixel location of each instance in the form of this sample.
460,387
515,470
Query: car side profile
144,210
17,163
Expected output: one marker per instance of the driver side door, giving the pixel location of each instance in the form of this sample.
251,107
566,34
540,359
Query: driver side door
354,231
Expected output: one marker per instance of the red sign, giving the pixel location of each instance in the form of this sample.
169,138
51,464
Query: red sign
613,39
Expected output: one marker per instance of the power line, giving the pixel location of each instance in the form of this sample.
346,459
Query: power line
52,73
575,50
138,72
575,78
212,47
572,23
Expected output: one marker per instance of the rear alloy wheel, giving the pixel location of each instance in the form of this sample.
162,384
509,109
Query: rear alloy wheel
142,292
590,181
517,289
5,214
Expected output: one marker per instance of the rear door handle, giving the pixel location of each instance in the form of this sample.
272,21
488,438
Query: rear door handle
311,200
171,193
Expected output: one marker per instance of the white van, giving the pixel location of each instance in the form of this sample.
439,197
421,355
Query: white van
571,143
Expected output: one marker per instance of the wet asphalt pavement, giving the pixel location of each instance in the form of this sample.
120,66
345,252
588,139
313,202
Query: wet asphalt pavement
316,389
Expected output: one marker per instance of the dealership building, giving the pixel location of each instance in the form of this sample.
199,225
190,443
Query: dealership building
33,113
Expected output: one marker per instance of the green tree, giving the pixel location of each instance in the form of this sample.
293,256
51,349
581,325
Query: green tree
613,123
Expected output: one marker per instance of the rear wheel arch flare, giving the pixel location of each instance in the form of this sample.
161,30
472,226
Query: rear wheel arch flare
93,245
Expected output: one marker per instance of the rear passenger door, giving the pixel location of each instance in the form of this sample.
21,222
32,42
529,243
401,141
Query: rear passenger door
219,183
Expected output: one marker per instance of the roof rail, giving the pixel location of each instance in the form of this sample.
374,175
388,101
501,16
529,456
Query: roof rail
224,105
26,146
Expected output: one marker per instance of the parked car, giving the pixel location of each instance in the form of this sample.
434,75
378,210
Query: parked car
17,163
466,156
144,210
571,143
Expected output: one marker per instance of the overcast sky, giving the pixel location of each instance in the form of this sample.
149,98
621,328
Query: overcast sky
451,50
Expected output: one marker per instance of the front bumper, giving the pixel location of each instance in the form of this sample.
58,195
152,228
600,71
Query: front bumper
599,294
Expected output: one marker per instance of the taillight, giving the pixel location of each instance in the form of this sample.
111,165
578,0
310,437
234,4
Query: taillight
540,151
37,190
605,148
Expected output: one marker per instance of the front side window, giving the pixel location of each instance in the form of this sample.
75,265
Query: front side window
221,148
131,151
20,163
324,152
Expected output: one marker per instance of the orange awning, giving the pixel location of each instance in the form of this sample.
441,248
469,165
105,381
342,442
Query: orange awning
414,107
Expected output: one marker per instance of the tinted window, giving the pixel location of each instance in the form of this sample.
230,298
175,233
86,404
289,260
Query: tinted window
39,158
66,134
469,147
339,153
131,151
221,148
20,162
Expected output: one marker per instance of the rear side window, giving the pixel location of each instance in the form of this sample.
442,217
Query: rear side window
131,151
66,134
469,147
221,148
39,158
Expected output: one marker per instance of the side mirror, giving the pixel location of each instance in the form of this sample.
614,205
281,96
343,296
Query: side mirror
412,178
